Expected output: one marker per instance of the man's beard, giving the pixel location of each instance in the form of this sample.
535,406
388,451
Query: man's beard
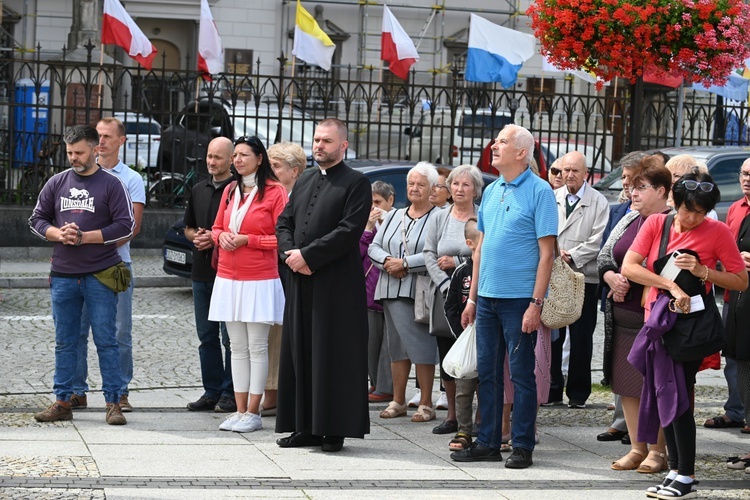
82,169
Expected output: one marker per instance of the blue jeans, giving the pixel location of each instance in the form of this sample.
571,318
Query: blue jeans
498,324
216,372
68,298
124,329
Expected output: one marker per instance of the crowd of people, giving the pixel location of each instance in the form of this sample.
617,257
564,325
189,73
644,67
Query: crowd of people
272,244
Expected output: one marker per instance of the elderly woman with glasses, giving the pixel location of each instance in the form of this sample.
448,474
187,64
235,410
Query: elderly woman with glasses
440,196
624,312
701,242
247,294
397,252
444,249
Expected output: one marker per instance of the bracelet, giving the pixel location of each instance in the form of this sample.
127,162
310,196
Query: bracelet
705,277
79,233
469,301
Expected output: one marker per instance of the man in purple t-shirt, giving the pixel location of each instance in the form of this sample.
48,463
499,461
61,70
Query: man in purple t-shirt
84,211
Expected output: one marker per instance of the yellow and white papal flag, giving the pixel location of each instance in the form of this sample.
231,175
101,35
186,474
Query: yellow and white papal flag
311,44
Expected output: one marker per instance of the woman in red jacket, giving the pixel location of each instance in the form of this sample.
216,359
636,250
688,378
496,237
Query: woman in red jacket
247,294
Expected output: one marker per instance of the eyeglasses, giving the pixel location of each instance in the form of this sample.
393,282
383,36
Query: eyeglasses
555,171
745,175
441,186
249,139
642,187
706,187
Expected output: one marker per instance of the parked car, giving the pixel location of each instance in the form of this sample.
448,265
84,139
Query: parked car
178,251
143,135
184,143
597,163
723,163
431,138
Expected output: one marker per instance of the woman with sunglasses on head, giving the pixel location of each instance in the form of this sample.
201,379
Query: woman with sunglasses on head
247,294
686,164
701,242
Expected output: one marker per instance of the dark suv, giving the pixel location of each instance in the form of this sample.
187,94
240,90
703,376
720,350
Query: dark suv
723,163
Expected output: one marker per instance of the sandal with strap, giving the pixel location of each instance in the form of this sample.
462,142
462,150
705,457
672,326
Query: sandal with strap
657,463
394,410
628,462
460,441
423,414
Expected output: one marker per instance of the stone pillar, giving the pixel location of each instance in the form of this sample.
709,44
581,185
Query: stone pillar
85,24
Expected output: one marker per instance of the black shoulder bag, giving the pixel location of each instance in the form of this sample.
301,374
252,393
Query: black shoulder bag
698,334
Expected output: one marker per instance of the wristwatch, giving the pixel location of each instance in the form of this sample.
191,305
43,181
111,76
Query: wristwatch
537,302
405,264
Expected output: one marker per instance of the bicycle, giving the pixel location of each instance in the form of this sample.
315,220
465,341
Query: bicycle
172,190
34,177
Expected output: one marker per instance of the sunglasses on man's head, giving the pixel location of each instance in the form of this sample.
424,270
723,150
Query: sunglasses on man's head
706,187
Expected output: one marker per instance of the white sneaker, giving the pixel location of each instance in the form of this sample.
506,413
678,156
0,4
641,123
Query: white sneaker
414,401
232,419
249,422
442,402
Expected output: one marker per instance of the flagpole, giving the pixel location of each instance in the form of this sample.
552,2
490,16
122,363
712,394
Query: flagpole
380,90
101,70
291,88
197,91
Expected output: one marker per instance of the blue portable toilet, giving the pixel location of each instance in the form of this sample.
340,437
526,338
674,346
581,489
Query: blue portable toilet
30,120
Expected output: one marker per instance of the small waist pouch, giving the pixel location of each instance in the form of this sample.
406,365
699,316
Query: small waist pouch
116,278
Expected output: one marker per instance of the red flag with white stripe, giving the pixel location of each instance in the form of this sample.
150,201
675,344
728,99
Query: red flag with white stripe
118,28
210,50
396,47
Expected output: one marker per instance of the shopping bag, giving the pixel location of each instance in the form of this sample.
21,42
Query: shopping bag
461,360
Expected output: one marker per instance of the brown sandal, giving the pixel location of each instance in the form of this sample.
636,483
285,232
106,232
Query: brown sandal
658,463
460,441
628,462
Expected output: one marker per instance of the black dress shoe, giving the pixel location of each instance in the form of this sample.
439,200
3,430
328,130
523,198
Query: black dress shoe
332,443
203,404
477,453
611,436
519,459
625,439
299,440
447,427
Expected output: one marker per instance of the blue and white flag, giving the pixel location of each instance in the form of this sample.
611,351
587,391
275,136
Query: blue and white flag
735,88
496,54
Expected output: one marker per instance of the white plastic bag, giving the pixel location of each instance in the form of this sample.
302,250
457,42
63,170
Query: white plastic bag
461,360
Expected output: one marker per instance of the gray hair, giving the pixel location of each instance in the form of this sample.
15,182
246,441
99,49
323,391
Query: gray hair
522,139
79,133
632,159
472,173
426,169
383,189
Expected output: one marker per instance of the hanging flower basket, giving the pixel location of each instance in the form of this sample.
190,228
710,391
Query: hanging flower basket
702,41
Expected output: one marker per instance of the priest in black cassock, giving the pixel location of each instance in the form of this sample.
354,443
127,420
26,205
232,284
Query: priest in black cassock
323,368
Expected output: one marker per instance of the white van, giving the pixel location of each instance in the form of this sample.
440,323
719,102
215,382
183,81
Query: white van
434,140
142,139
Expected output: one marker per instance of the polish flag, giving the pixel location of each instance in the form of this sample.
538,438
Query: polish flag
210,50
118,28
396,47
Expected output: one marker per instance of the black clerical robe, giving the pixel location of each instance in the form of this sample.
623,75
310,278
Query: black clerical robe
323,365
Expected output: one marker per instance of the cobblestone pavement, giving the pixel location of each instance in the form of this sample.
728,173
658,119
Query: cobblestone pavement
165,355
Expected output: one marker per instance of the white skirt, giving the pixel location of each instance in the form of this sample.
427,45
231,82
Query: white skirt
247,301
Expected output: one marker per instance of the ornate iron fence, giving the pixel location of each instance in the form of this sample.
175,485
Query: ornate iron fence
449,123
